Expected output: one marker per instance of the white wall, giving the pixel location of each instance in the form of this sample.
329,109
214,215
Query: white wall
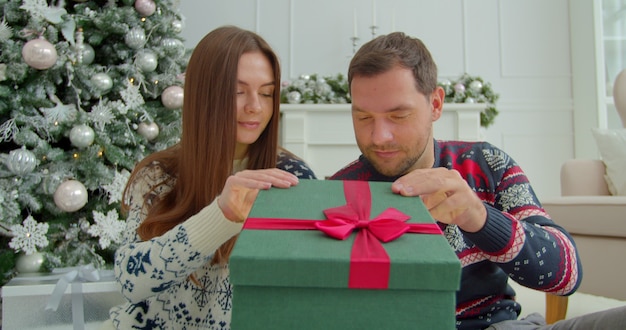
520,46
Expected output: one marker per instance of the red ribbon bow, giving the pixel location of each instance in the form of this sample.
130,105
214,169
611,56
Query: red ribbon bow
369,262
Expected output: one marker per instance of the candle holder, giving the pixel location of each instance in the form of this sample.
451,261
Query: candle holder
374,28
355,42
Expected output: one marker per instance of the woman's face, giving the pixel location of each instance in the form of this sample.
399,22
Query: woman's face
255,99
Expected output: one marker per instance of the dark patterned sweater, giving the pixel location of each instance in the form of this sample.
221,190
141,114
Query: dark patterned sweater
519,240
154,274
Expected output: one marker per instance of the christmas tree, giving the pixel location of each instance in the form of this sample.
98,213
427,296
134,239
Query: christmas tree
87,88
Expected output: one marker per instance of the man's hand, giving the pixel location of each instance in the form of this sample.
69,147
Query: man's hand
241,190
447,196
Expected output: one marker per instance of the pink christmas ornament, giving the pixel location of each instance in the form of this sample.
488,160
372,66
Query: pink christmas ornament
145,7
459,88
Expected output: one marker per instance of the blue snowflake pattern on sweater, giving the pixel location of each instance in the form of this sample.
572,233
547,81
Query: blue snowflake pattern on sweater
168,280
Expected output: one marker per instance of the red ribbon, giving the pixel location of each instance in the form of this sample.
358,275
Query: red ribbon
369,262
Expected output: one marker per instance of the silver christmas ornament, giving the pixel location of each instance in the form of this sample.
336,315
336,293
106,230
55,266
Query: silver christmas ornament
102,82
148,130
21,161
172,97
147,61
39,53
135,38
173,47
51,182
29,263
294,97
82,136
145,7
476,86
177,26
470,100
70,196
85,53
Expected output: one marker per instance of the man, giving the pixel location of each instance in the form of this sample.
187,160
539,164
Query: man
481,198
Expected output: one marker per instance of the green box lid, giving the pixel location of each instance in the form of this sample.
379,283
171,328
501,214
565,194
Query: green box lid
310,258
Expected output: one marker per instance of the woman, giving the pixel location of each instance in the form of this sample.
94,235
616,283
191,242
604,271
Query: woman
187,204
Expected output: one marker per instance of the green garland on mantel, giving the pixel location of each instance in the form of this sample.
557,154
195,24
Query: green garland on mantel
333,89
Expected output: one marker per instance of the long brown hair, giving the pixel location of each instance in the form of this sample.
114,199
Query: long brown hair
203,159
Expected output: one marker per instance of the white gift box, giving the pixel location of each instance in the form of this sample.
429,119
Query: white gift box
25,298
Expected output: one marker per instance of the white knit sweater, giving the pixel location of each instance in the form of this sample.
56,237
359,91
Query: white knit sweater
154,275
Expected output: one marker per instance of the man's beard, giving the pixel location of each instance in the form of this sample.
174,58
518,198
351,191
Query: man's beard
402,168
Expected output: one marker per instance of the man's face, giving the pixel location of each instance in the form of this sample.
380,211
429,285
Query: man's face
393,121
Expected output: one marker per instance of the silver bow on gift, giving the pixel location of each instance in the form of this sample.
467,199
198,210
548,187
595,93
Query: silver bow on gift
75,276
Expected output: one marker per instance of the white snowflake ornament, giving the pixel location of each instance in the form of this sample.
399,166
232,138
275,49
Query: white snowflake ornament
116,188
29,235
40,10
101,114
109,228
132,98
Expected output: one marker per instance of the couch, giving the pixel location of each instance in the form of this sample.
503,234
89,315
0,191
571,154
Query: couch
597,221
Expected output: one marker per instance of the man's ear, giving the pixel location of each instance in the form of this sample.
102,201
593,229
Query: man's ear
436,101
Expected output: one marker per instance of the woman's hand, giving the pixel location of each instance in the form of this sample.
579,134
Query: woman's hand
241,190
447,196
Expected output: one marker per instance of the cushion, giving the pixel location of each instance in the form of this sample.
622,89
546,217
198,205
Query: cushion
612,146
584,177
574,213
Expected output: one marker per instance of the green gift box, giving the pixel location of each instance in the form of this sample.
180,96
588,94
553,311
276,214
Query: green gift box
288,273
